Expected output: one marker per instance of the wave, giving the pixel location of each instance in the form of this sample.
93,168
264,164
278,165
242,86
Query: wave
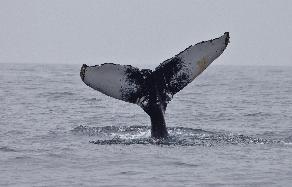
56,95
257,114
7,149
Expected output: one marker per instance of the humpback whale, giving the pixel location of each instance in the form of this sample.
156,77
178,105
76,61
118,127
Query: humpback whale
153,90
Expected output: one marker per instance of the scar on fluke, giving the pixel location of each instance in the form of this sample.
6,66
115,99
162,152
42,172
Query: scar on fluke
153,90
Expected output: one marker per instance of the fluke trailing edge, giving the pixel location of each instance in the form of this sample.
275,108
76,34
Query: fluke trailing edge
153,90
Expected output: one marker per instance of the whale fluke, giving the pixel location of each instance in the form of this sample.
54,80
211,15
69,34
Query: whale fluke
152,90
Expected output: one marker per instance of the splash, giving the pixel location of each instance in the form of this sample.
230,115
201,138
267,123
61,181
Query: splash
178,136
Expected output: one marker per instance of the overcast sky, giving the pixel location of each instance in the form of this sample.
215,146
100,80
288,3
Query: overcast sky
142,32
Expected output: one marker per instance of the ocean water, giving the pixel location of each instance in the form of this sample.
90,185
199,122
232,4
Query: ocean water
232,126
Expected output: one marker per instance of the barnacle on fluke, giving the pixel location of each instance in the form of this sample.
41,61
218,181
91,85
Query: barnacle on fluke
153,90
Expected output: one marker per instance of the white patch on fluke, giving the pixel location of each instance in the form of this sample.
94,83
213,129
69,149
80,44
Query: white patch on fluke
110,79
198,57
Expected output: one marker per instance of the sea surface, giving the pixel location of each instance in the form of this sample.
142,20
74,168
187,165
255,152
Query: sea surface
232,126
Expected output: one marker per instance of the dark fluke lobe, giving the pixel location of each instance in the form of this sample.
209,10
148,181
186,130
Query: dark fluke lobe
153,90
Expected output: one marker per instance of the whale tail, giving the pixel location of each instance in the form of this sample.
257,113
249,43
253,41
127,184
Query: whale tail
153,90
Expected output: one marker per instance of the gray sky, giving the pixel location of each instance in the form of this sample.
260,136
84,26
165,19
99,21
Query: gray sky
142,32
